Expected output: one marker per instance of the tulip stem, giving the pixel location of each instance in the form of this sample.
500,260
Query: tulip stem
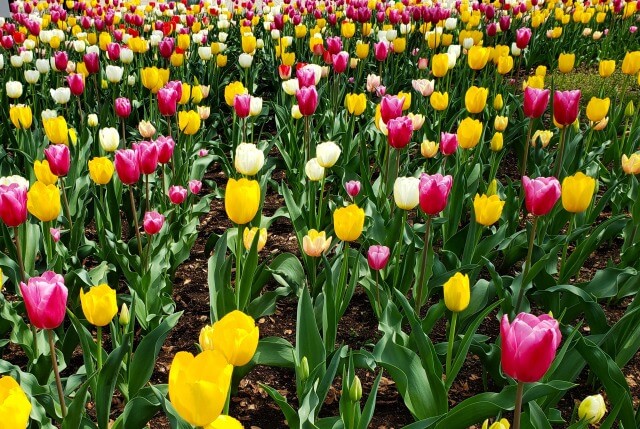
527,265
238,265
558,168
399,249
452,336
99,347
23,277
423,264
307,139
135,219
56,372
566,246
378,305
66,203
518,407
523,169
146,180
320,206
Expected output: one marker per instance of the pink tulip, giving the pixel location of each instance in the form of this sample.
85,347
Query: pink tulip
334,45
59,159
566,105
13,204
60,60
340,61
523,35
306,77
195,186
165,148
373,82
76,84
167,101
177,194
203,152
505,22
353,187
45,298
540,194
448,143
381,50
166,47
127,167
535,102
113,51
122,106
423,63
176,85
434,192
307,100
377,257
242,105
153,222
399,132
147,156
391,107
55,234
92,62
529,345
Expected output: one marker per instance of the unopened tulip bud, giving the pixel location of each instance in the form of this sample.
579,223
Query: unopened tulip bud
355,390
497,142
125,316
630,109
147,130
304,369
592,409
353,188
55,234
92,120
497,102
492,189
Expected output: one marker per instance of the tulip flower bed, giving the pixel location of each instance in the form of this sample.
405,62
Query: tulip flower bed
319,214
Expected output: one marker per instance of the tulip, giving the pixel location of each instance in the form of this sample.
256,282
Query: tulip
92,120
177,194
355,103
469,133
242,200
225,422
313,170
146,129
457,293
165,147
15,406
592,409
13,89
400,131
199,396
353,188
381,50
56,130
423,86
249,234
597,108
523,35
43,173
498,102
109,139
497,142
373,82
340,61
327,154
440,65
76,86
406,192
478,57
13,204
505,64
487,209
43,201
248,159
127,167
101,170
631,63
153,222
99,305
45,298
122,107
502,424
189,122
429,148
59,159
307,100
233,89
348,222
630,165
242,105
377,257
566,105
566,62
439,101
315,243
21,116
606,68
391,107
475,99
535,101
529,346
235,335
448,143
500,123
255,106
541,194
195,186
577,192
434,192
147,157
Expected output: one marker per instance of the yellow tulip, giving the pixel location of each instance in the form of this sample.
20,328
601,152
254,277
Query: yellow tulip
248,44
99,304
101,170
288,58
487,209
439,101
233,89
103,40
534,82
242,200
362,50
505,64
355,103
469,132
631,63
249,234
183,41
56,130
225,422
150,77
429,148
315,243
407,99
597,108
43,201
475,99
221,60
235,336
541,71
498,103
196,94
592,409
457,292
577,192
186,94
478,57
300,31
631,164
21,116
500,123
189,122
348,222
566,62
348,29
497,142
177,60
199,386
606,67
15,407
43,173
502,424
440,65
399,44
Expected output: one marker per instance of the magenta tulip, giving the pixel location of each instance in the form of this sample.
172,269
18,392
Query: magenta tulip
505,22
377,257
147,156
176,85
306,77
381,50
59,159
13,204
76,83
307,100
127,167
60,60
448,143
242,105
540,194
340,61
523,35
92,62
167,101
399,132
165,149
535,101
353,187
529,345
113,51
334,44
434,192
177,194
166,47
122,106
45,298
55,234
195,186
566,105
391,107
153,222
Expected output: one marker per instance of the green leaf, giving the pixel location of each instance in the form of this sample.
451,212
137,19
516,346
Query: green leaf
77,407
290,414
308,340
107,382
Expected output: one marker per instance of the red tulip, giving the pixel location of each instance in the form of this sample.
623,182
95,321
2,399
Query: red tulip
535,102
45,298
167,101
165,149
307,100
377,257
13,204
59,159
399,132
540,194
92,62
566,105
126,163
147,156
391,107
122,106
284,71
434,192
529,345
76,83
153,222
177,194
242,105
448,143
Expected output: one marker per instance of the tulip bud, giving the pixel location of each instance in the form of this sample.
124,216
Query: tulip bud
497,102
304,369
355,390
92,120
353,188
249,235
592,409
630,109
492,189
313,170
457,292
125,317
497,142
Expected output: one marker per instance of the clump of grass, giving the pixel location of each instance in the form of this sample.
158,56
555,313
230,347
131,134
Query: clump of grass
591,84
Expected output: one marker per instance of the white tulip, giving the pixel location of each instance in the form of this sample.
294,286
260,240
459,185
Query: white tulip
245,60
1,61
455,50
131,80
31,76
391,35
406,192
467,43
79,46
249,159
327,154
14,180
14,89
27,56
222,37
290,86
92,120
109,139
60,95
275,33
313,170
450,24
93,49
255,106
515,51
48,114
29,44
204,52
114,73
126,56
16,61
43,66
